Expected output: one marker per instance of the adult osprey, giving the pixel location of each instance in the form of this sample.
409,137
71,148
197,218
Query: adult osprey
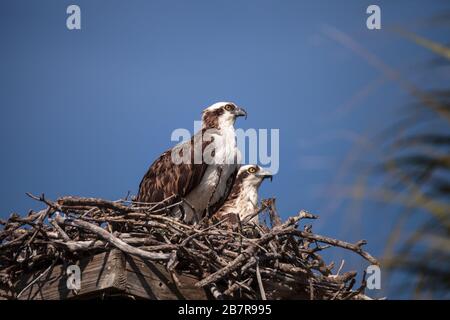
200,171
243,198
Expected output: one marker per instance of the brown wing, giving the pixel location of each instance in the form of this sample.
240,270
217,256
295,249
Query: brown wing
166,179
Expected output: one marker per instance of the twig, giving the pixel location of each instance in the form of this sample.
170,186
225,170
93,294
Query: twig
119,244
260,284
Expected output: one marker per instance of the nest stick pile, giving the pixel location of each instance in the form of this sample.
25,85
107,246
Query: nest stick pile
243,260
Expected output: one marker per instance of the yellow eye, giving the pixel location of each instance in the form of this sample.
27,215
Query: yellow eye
251,170
229,107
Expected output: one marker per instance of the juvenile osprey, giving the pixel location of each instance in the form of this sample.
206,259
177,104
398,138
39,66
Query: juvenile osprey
243,198
200,171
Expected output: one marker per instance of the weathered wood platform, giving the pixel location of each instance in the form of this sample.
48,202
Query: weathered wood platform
111,274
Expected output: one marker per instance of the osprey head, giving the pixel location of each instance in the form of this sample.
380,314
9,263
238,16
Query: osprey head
252,175
221,115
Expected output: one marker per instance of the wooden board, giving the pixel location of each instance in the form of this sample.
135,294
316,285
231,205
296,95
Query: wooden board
100,273
151,281
110,274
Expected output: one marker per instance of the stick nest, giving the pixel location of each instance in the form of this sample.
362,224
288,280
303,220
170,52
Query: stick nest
272,260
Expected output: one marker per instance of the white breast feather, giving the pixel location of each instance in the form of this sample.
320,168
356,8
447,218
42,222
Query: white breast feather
202,195
247,202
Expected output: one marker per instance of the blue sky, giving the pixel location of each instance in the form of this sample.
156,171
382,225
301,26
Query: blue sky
86,112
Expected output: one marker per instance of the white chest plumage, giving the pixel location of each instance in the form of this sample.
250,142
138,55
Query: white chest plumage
247,202
214,182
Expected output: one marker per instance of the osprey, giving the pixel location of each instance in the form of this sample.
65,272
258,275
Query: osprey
200,171
243,198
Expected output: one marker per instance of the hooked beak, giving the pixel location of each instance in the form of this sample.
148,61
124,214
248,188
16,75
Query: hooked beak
266,174
240,112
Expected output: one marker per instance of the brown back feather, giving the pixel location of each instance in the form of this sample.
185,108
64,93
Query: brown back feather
165,179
